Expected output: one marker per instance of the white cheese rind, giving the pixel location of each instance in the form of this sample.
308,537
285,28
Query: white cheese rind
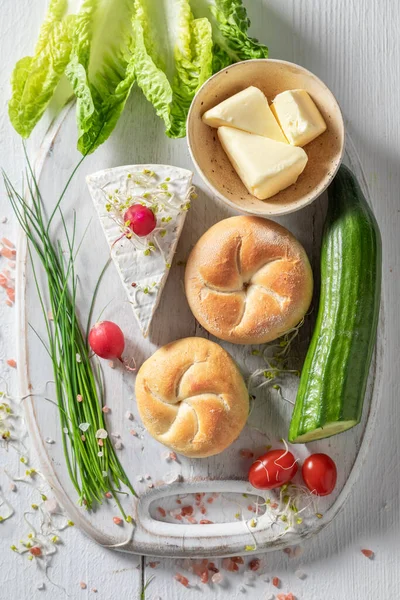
247,110
298,116
265,166
146,271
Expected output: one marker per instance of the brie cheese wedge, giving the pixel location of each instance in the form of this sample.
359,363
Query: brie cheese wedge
143,263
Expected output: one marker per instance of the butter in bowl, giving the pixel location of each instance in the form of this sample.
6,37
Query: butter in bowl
269,147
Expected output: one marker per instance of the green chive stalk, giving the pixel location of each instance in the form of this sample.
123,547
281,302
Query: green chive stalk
74,374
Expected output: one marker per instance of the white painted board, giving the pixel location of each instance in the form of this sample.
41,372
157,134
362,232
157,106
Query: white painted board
141,456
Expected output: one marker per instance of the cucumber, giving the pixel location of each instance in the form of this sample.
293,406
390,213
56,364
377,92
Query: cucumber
334,376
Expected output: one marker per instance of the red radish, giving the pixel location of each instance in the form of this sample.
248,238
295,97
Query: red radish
107,340
272,470
140,219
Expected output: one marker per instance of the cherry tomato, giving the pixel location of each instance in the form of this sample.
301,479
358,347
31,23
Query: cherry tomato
319,474
272,470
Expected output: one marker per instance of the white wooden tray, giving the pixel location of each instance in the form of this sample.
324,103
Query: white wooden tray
140,139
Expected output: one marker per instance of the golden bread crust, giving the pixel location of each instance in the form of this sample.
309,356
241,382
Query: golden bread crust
192,397
248,280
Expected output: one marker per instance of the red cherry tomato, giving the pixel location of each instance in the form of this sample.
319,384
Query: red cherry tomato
319,474
272,470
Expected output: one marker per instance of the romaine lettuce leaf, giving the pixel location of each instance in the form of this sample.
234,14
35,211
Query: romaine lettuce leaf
173,57
35,78
101,69
229,29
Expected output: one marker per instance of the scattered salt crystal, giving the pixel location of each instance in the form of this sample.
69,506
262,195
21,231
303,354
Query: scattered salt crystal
173,456
266,579
41,586
217,578
79,398
100,442
147,476
133,432
83,585
4,219
12,363
297,551
108,495
367,553
111,364
83,438
270,597
150,486
78,358
50,315
84,426
118,445
51,505
129,415
49,440
117,520
169,478
140,478
300,574
242,589
250,577
94,590
65,429
116,435
101,434
100,453
13,487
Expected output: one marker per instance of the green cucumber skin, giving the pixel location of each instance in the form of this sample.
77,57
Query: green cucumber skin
334,376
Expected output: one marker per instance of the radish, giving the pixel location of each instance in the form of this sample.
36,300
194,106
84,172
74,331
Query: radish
107,340
140,219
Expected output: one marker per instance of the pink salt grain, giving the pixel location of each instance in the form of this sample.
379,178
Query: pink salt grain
229,565
117,520
206,522
83,585
108,495
12,363
79,398
217,577
276,582
161,511
210,500
106,409
6,242
254,564
192,520
367,553
183,580
186,511
246,453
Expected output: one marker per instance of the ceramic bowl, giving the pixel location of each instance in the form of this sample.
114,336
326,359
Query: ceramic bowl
272,77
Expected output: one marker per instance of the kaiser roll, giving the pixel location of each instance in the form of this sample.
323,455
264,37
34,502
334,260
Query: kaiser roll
248,280
192,397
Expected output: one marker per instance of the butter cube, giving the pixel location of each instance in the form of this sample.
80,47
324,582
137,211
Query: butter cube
247,110
265,166
299,118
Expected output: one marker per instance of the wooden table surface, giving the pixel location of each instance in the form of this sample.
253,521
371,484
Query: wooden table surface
355,48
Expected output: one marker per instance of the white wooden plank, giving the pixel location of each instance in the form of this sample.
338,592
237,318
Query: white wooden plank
355,49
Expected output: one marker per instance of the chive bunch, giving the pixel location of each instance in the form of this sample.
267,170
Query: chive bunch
94,469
